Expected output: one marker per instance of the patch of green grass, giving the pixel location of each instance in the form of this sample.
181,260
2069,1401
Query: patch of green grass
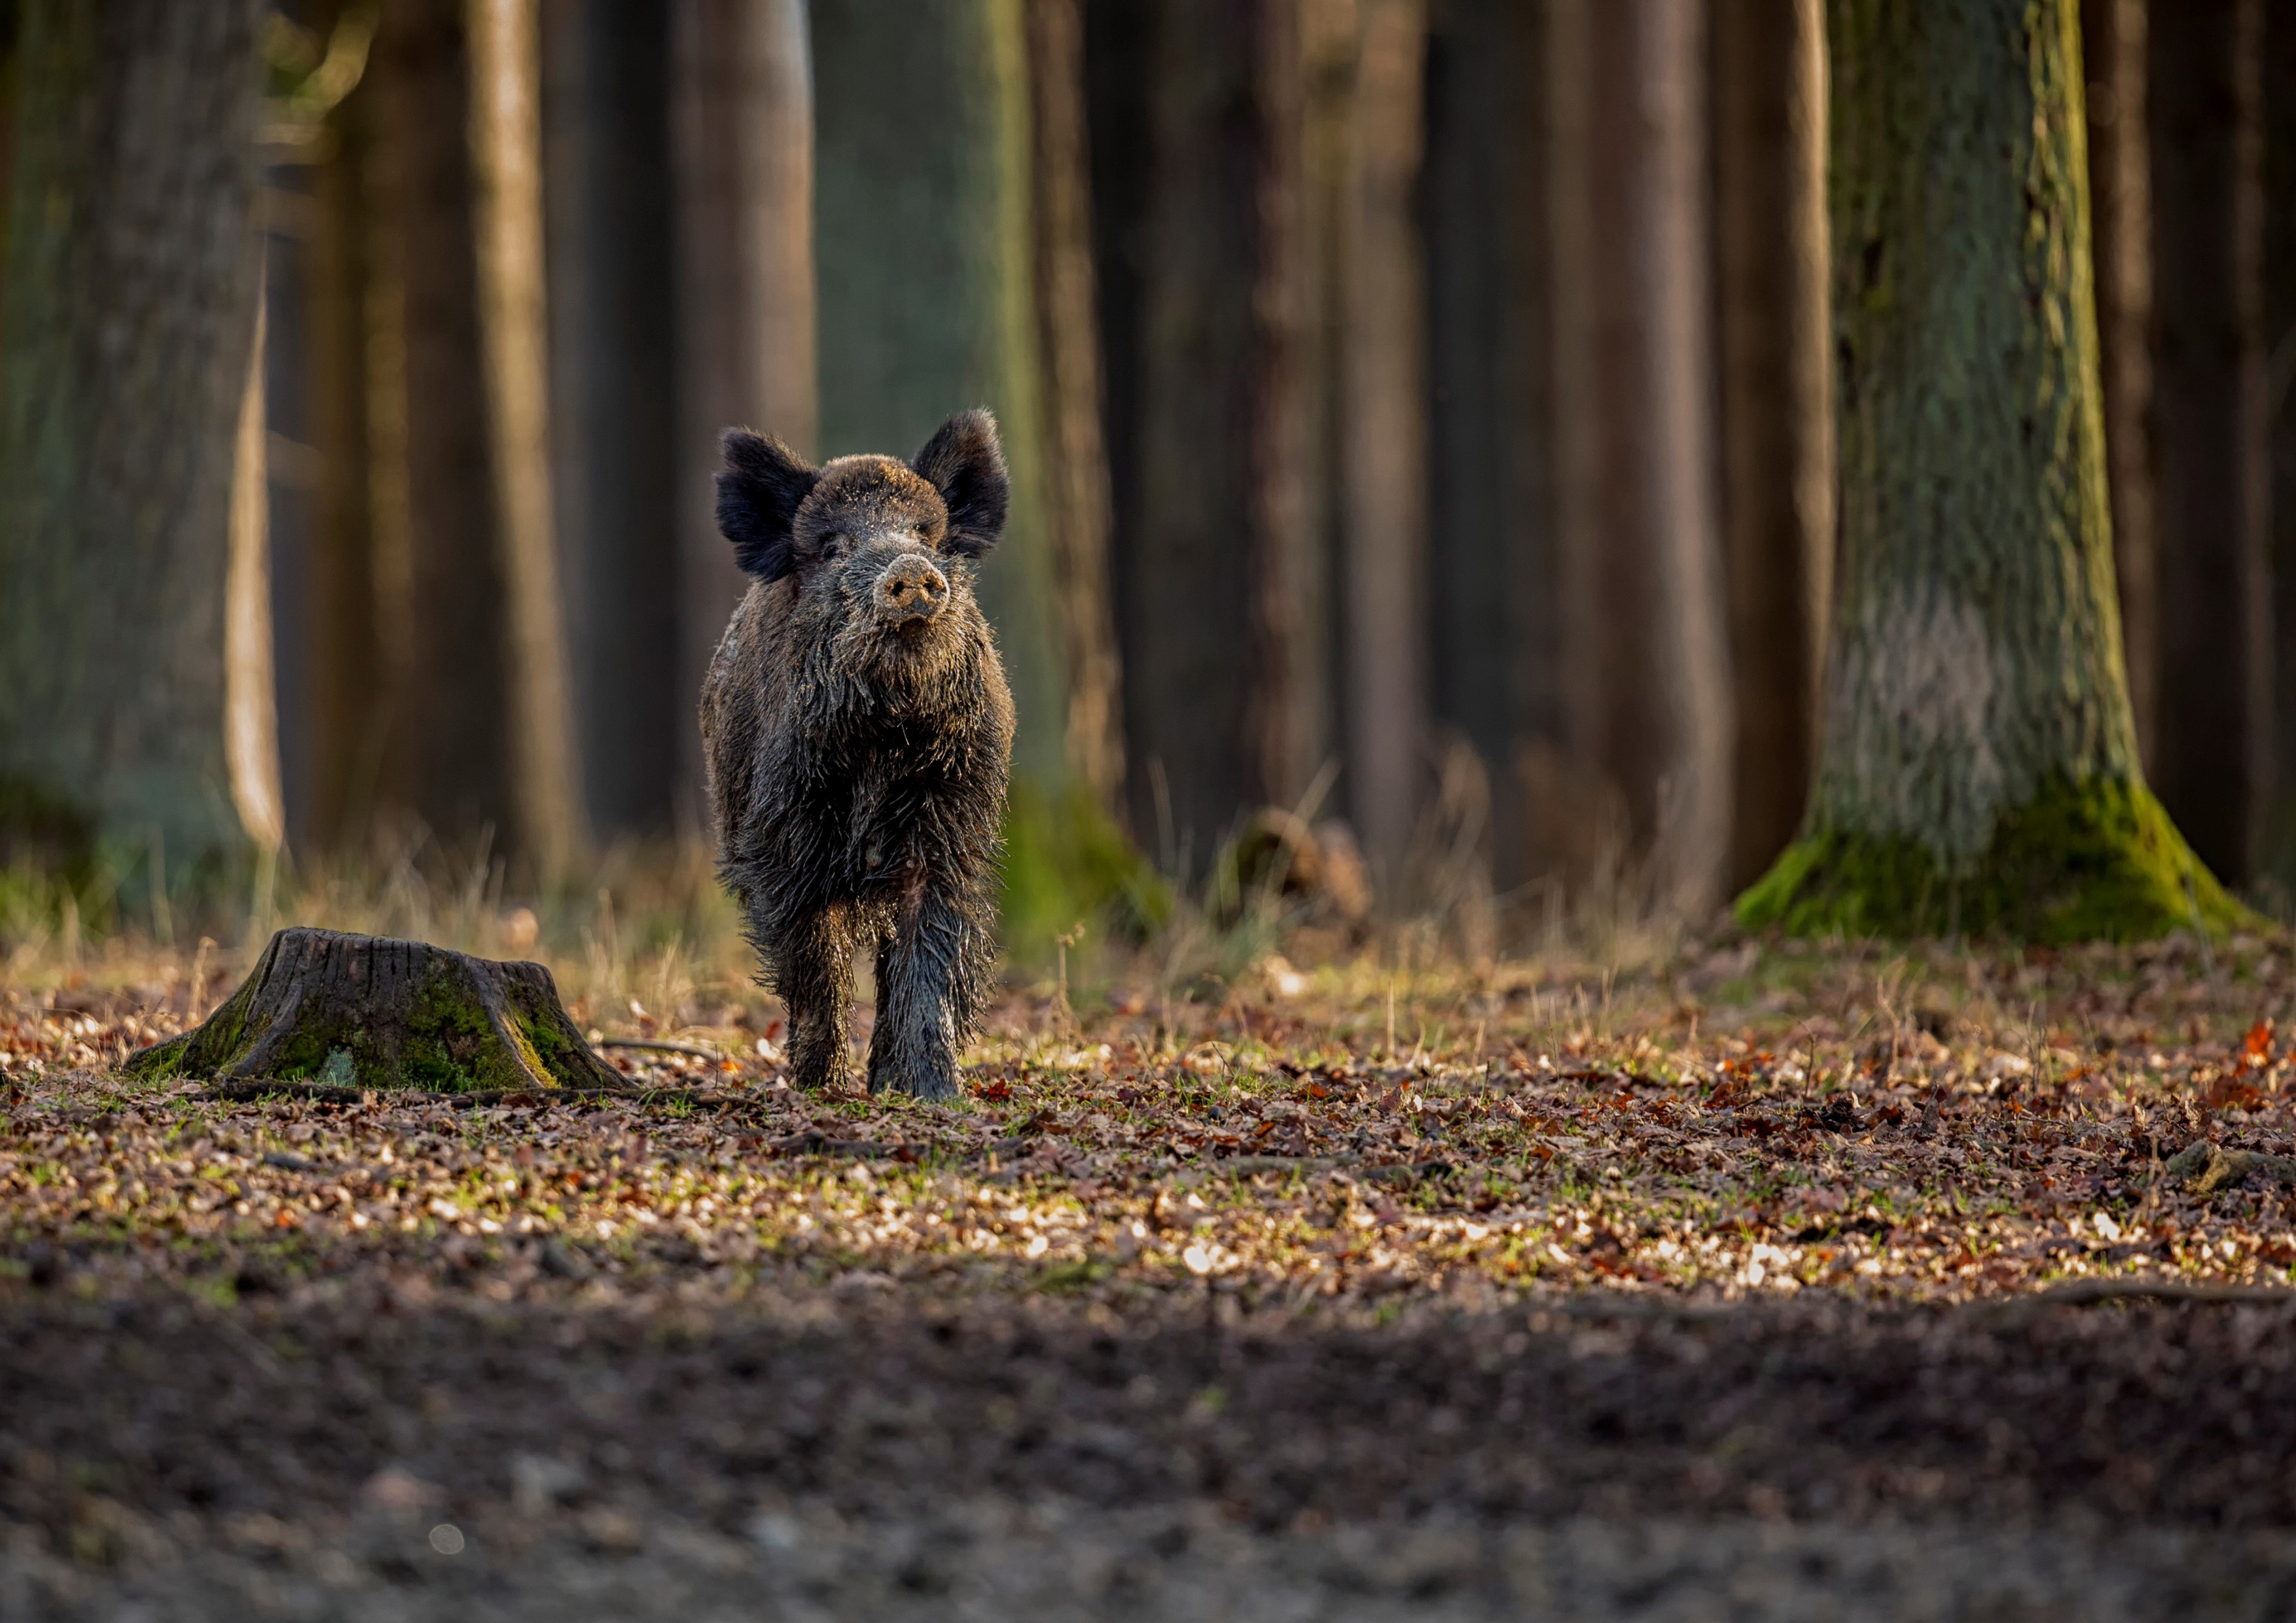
2099,861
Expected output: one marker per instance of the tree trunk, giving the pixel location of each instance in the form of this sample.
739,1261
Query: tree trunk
2120,189
1979,770
11,35
250,689
124,347
613,359
1289,579
1492,540
1119,38
1310,669
1184,570
923,141
1776,405
1077,486
1643,584
742,148
1384,383
439,586
1212,532
2279,58
2214,767
335,622
332,690
359,1012
505,133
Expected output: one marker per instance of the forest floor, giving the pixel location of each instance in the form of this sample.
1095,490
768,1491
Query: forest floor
1740,1281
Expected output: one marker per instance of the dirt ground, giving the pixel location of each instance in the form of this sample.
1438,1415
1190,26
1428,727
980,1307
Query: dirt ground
1742,1284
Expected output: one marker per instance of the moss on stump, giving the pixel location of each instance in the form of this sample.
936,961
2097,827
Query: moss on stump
2097,862
366,1011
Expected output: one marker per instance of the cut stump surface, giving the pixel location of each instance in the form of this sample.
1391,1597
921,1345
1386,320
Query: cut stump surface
366,1011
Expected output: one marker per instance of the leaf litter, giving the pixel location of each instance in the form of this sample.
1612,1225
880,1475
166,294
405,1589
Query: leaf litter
1742,1175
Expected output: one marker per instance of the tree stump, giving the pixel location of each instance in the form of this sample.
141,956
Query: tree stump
364,1012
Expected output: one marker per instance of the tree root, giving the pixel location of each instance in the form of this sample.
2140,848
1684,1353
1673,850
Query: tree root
320,1093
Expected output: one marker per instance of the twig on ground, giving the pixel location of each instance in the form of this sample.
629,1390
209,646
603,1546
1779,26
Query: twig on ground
2205,1168
654,1044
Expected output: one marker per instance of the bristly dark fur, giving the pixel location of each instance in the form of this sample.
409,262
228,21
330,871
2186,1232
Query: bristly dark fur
858,733
758,493
966,463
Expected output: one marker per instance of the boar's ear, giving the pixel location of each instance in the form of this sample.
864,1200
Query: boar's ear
758,490
965,463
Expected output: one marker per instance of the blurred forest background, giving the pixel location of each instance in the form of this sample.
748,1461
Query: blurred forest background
1420,413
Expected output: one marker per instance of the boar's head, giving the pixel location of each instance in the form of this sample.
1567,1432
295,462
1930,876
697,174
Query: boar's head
881,551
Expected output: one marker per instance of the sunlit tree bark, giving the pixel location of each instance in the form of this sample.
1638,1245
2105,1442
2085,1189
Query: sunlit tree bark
506,133
250,689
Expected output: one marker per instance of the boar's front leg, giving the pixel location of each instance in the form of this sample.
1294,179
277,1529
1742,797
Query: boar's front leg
812,972
933,970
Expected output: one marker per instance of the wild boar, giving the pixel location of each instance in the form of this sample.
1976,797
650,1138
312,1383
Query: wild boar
858,735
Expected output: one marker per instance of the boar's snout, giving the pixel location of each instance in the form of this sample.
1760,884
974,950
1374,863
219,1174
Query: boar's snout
910,588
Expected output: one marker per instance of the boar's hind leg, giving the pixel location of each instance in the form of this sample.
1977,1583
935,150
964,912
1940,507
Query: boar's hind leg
812,972
931,971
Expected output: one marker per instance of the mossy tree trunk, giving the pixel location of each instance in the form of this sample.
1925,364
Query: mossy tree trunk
131,288
921,134
925,265
360,1010
1979,769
